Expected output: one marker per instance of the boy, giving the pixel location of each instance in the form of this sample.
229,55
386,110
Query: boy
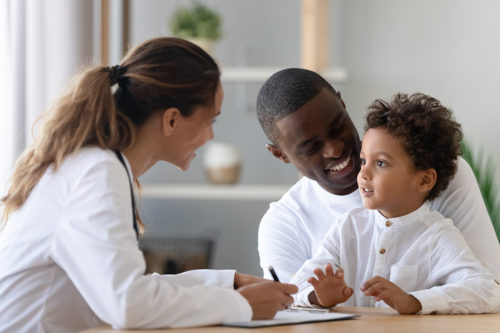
397,249
309,128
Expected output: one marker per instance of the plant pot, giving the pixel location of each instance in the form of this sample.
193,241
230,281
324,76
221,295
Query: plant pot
206,44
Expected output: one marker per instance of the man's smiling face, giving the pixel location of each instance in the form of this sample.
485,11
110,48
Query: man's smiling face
322,142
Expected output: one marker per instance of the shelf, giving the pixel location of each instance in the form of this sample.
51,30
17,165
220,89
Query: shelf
260,74
213,192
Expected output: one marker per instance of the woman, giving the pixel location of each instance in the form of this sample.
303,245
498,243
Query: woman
69,258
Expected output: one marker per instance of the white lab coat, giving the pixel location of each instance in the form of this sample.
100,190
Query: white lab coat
69,260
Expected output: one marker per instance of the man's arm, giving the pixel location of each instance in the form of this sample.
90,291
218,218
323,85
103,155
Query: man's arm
462,202
281,244
460,283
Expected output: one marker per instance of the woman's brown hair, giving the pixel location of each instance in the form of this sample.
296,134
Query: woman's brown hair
158,74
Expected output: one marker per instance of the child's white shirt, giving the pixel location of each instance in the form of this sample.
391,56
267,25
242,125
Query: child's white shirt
423,253
293,227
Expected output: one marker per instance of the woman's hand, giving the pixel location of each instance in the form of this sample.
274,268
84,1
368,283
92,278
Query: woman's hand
241,280
330,288
392,295
268,297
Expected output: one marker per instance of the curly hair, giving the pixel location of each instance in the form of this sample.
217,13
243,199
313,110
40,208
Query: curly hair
427,130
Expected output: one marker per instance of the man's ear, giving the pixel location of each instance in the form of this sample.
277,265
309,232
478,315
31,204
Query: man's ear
169,120
427,180
277,152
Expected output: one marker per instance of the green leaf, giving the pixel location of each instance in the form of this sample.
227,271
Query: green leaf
198,21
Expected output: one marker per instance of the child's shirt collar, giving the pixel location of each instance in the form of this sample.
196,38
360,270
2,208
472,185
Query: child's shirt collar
402,221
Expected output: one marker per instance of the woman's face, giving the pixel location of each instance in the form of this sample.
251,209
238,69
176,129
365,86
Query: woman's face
195,131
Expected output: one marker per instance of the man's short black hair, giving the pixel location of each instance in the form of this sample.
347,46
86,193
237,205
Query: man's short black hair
285,92
427,130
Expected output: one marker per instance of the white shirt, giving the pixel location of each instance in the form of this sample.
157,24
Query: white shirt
293,227
422,253
69,260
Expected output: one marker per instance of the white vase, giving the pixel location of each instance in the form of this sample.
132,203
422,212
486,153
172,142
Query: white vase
222,163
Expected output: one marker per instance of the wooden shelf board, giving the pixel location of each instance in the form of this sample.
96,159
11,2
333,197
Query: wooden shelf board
260,74
213,192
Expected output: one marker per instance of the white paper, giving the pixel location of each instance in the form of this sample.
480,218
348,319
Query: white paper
288,317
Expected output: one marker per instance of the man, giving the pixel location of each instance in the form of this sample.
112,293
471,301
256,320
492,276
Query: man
308,125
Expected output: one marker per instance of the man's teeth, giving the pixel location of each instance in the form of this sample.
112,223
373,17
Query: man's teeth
342,165
366,190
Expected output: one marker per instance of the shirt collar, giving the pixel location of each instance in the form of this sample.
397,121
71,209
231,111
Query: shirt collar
353,198
405,220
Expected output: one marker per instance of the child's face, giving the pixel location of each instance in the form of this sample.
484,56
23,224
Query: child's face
388,180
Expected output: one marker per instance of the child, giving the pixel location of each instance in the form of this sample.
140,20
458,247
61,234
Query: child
396,249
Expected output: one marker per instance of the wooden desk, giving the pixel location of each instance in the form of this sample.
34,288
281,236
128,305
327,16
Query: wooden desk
370,320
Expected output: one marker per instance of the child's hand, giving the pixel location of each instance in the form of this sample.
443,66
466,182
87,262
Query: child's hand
392,295
330,289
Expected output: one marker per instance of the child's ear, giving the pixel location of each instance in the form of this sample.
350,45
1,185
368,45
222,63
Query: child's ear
427,180
169,120
277,152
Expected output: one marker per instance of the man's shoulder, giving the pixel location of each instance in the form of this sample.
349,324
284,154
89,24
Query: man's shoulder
304,189
459,188
464,176
307,191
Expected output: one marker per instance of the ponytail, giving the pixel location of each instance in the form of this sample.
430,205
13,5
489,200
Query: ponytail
159,74
85,115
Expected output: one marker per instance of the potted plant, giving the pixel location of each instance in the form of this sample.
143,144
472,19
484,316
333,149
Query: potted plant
198,23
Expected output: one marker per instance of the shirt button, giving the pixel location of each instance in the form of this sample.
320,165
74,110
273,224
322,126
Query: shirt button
388,223
381,251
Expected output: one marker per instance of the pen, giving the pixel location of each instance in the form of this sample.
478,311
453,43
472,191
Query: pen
273,273
309,309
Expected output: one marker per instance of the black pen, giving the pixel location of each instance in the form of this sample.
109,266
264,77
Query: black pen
273,273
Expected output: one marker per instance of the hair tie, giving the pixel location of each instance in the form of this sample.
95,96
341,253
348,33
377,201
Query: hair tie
115,74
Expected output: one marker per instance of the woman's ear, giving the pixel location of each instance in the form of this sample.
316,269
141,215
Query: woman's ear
427,180
277,152
170,119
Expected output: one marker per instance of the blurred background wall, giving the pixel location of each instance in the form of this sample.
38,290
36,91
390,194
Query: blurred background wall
446,48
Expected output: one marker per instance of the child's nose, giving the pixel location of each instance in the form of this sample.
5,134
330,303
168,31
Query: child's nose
364,172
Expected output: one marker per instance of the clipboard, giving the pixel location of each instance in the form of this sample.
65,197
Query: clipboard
290,317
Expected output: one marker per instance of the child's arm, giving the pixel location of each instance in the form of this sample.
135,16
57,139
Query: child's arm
326,255
330,288
392,295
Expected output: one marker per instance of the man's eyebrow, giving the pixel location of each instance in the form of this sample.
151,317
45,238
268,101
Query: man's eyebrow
340,116
302,146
